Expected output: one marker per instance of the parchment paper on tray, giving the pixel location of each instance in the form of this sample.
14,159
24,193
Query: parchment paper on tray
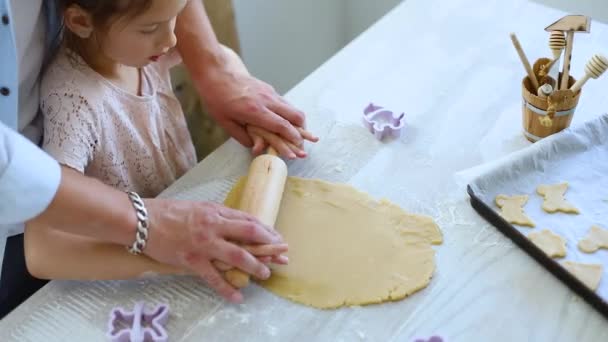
579,156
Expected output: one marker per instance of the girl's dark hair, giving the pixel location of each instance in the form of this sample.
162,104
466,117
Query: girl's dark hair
103,13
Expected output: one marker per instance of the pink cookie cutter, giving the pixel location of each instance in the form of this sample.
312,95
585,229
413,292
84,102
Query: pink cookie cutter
139,325
382,122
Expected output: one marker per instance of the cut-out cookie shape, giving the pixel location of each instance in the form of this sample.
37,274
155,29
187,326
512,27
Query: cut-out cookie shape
552,244
554,198
588,274
596,238
513,209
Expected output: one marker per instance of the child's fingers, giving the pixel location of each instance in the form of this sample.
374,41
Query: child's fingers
255,131
275,141
258,145
307,135
300,153
280,260
222,266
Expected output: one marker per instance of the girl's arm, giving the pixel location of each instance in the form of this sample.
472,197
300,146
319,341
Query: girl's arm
61,255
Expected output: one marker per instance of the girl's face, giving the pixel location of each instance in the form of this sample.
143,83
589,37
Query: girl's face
136,41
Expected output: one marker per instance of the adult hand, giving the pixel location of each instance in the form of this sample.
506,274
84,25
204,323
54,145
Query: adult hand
236,100
232,96
193,235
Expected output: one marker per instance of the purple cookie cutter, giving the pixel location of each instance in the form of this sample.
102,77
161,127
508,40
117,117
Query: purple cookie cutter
139,325
382,122
435,338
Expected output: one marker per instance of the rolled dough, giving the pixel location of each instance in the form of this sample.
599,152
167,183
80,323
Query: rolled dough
588,274
554,198
596,238
512,209
345,248
552,244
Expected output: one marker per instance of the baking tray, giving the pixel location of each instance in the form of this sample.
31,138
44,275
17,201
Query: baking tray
578,156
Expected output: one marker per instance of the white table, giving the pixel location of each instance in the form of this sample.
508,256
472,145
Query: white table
451,67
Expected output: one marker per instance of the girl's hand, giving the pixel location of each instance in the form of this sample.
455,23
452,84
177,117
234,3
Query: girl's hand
263,139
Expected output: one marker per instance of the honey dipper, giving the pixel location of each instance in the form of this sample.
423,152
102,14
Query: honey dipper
557,42
593,69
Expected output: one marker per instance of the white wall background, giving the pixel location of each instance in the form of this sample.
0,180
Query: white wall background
282,41
596,9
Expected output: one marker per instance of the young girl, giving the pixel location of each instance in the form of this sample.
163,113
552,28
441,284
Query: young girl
109,110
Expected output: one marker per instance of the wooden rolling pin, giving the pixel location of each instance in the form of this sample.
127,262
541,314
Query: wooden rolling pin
261,197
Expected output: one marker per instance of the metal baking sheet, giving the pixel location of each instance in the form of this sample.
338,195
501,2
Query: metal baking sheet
578,156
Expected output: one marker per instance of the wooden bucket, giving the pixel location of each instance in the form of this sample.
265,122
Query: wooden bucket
545,116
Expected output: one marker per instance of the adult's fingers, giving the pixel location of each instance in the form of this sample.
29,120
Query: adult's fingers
267,250
287,111
246,231
232,254
215,280
238,132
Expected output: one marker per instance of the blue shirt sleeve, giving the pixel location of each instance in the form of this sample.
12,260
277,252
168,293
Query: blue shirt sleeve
29,178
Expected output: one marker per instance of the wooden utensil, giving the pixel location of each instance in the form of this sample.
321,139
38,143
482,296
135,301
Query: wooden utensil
557,42
261,198
593,69
569,24
524,60
545,90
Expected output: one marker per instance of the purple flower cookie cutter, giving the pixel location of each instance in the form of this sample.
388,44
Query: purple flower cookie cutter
139,325
383,123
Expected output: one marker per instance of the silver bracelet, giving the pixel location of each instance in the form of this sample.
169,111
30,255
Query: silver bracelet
141,235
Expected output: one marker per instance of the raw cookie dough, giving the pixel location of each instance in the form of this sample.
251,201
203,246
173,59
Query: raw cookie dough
596,238
552,244
513,209
554,198
589,274
345,248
